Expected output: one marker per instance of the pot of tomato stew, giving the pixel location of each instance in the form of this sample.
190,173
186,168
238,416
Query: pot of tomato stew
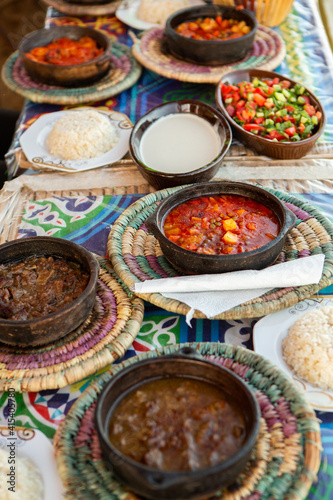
220,227
177,427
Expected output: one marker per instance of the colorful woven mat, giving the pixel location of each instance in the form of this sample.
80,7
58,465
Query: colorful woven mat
104,337
84,9
283,465
267,53
137,256
124,72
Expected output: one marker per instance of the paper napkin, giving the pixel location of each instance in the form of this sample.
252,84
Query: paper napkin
213,294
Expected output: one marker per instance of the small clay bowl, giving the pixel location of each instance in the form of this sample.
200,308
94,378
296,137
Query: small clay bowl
166,485
209,52
189,262
162,180
283,150
58,324
65,76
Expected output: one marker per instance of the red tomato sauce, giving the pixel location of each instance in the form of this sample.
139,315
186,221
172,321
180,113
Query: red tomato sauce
210,28
221,224
66,52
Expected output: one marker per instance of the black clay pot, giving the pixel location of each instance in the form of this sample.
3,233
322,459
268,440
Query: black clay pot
171,485
209,52
66,76
162,180
56,325
190,262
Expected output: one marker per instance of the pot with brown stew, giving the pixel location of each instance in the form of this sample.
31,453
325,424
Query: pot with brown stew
177,427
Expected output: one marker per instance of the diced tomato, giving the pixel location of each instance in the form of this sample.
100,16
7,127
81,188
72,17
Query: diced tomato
291,131
269,105
274,134
236,96
231,110
275,81
259,120
259,90
289,118
240,104
259,99
253,126
318,115
309,109
278,119
301,127
270,91
248,114
285,84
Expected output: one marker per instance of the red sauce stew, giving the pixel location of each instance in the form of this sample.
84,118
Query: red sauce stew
66,52
210,28
223,224
177,424
38,286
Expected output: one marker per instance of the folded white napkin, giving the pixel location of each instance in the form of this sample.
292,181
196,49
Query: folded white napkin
213,294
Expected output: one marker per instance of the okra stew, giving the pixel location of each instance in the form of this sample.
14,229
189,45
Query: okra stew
272,109
221,224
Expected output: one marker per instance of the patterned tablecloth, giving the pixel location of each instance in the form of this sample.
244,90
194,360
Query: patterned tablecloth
87,219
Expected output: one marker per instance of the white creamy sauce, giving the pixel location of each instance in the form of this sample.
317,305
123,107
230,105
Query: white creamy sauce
179,143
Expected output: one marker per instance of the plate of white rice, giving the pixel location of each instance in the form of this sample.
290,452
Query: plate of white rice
27,460
146,14
299,340
77,139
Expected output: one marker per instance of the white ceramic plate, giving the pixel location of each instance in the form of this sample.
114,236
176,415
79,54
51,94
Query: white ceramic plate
34,445
127,11
33,143
268,334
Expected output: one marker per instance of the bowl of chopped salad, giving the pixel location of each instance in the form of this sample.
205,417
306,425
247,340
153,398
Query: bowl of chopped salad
270,113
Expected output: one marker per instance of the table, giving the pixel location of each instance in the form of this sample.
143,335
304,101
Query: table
27,202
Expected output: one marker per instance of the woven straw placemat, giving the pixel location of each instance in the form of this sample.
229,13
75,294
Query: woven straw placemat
124,72
104,337
137,256
83,9
283,465
267,53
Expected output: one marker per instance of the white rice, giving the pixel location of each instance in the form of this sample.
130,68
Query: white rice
81,135
308,347
158,11
28,479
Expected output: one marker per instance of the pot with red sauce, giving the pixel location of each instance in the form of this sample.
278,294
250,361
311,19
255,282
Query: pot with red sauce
220,227
45,55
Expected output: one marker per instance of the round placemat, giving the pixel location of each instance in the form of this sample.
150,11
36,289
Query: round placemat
268,52
84,9
124,72
137,256
104,337
284,462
